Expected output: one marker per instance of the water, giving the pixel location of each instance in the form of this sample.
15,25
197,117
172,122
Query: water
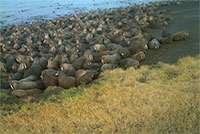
17,11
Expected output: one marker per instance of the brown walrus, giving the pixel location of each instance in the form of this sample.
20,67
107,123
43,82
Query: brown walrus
26,85
83,77
68,69
140,56
154,44
65,81
49,78
35,69
129,62
23,93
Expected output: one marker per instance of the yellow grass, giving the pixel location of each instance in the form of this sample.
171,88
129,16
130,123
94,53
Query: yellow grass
155,99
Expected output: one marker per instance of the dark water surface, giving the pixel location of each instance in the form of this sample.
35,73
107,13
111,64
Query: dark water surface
16,11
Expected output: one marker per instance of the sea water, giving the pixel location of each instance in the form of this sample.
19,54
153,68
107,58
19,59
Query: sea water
17,11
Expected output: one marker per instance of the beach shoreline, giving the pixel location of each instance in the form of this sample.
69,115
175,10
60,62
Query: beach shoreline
185,17
18,11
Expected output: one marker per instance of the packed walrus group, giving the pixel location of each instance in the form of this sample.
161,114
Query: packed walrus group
70,51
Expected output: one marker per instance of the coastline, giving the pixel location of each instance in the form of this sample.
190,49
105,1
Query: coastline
185,17
18,11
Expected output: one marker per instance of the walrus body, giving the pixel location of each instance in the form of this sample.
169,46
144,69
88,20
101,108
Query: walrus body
35,70
27,85
129,62
49,77
65,81
23,93
83,77
140,56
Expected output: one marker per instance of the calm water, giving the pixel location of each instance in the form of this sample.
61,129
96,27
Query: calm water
16,11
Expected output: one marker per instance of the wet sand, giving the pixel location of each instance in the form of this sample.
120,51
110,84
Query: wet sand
185,17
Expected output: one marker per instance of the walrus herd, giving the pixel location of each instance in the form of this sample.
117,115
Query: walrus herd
70,51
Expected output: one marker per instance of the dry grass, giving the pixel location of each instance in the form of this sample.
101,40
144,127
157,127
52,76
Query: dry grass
156,99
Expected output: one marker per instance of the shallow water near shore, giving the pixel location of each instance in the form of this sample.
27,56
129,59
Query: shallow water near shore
16,11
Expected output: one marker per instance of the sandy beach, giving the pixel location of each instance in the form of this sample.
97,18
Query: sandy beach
185,17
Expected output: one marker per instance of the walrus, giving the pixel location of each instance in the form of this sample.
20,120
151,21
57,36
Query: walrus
4,83
111,59
43,62
26,85
61,50
52,50
129,62
23,93
138,45
10,60
154,44
15,67
64,81
165,33
52,64
140,56
22,68
83,77
20,58
35,69
5,91
108,66
78,63
113,46
29,78
180,36
95,73
99,47
68,69
3,67
58,59
154,25
16,46
90,65
35,54
15,76
73,57
64,59
49,78
124,52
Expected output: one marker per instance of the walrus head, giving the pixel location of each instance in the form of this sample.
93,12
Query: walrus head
11,84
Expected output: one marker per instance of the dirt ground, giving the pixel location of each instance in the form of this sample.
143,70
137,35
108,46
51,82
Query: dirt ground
184,17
